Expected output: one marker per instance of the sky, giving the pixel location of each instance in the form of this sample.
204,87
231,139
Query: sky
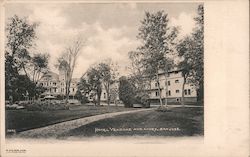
108,29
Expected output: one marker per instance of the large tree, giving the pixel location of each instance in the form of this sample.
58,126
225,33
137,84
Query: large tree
20,35
67,62
185,49
99,75
191,49
94,79
156,37
108,73
198,36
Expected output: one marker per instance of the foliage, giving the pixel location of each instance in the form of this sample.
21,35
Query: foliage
81,97
157,41
47,106
84,86
60,97
114,93
191,49
19,61
95,84
22,88
108,74
102,74
126,92
142,98
20,35
39,66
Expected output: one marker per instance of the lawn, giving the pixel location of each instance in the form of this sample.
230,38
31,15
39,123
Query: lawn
21,120
177,122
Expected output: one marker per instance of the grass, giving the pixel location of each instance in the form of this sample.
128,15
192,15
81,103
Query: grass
21,120
176,122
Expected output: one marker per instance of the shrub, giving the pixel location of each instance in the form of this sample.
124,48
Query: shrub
59,97
81,97
126,92
142,98
47,106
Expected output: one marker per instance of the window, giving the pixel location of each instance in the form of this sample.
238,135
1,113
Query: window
104,95
177,99
169,93
156,94
156,84
169,83
176,81
189,92
41,84
73,89
177,91
55,90
185,92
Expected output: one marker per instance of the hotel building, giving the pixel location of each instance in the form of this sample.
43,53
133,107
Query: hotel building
55,85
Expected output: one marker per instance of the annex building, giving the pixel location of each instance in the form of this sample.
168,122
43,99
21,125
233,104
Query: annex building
171,89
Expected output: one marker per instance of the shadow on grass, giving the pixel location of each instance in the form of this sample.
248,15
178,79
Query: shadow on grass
21,120
177,122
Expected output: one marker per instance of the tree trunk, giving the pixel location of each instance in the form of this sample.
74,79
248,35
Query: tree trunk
182,94
67,93
166,85
108,98
108,93
159,90
98,100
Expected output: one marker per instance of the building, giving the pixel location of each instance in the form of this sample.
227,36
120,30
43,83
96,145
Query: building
171,89
55,85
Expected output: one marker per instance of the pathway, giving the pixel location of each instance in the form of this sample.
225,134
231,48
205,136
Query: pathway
52,131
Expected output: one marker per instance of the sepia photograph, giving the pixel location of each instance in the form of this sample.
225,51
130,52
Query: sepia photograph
84,70
97,72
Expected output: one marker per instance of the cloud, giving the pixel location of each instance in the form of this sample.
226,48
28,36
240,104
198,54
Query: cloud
110,30
54,35
106,43
185,21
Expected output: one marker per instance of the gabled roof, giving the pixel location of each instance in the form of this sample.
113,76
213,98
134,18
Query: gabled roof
51,75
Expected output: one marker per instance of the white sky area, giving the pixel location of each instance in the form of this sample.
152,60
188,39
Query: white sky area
110,30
